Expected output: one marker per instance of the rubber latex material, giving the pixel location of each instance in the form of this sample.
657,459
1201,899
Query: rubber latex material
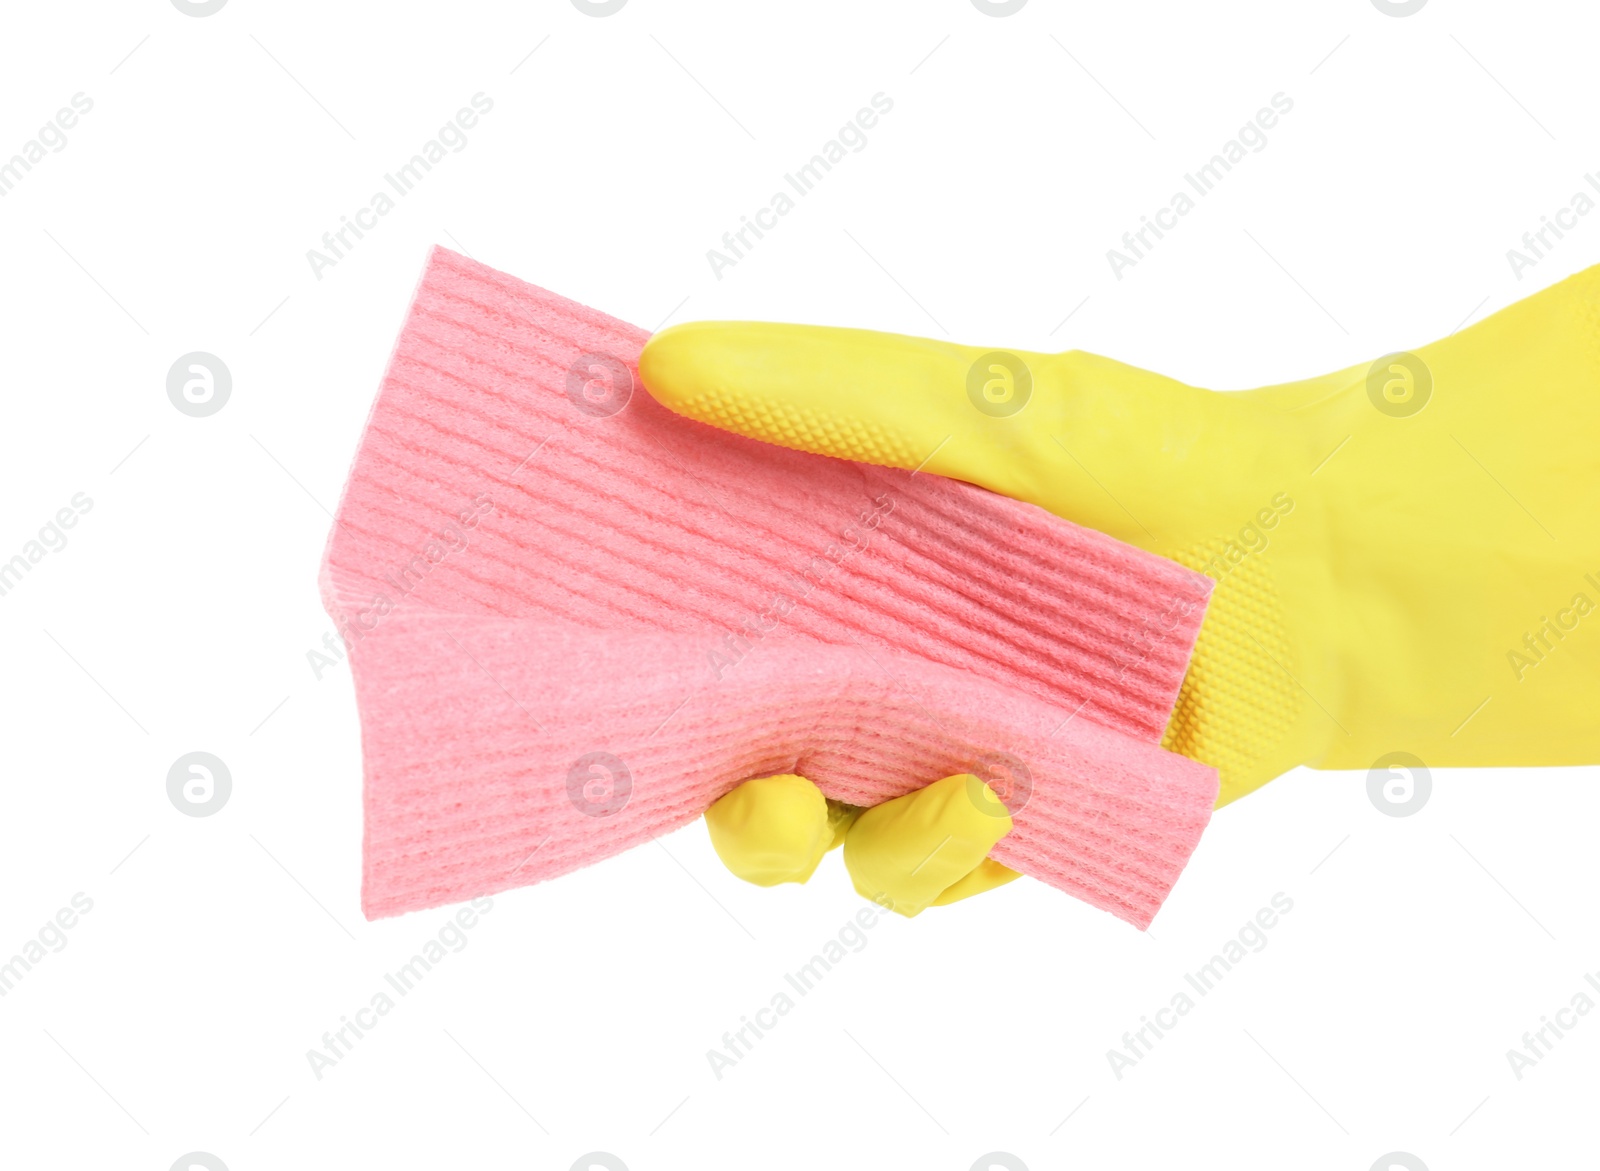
772,830
907,854
1407,552
577,619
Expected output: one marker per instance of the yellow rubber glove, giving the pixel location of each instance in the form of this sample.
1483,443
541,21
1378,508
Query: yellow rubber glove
924,849
1407,552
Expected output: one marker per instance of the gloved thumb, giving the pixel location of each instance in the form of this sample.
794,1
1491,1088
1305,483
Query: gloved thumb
1088,438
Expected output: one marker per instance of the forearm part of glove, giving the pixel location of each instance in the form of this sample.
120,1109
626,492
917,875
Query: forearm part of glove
925,849
1407,552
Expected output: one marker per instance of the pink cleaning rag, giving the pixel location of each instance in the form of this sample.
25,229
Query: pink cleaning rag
576,619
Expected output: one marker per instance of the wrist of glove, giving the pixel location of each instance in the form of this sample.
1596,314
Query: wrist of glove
928,848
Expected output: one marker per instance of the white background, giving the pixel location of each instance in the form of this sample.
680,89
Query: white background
178,617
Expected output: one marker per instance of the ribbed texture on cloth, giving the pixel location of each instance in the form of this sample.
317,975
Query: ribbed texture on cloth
534,563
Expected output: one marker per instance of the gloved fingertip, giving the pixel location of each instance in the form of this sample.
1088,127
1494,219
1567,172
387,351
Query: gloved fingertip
985,876
913,848
771,830
884,900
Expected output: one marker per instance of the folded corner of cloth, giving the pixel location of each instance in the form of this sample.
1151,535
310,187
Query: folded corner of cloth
576,619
